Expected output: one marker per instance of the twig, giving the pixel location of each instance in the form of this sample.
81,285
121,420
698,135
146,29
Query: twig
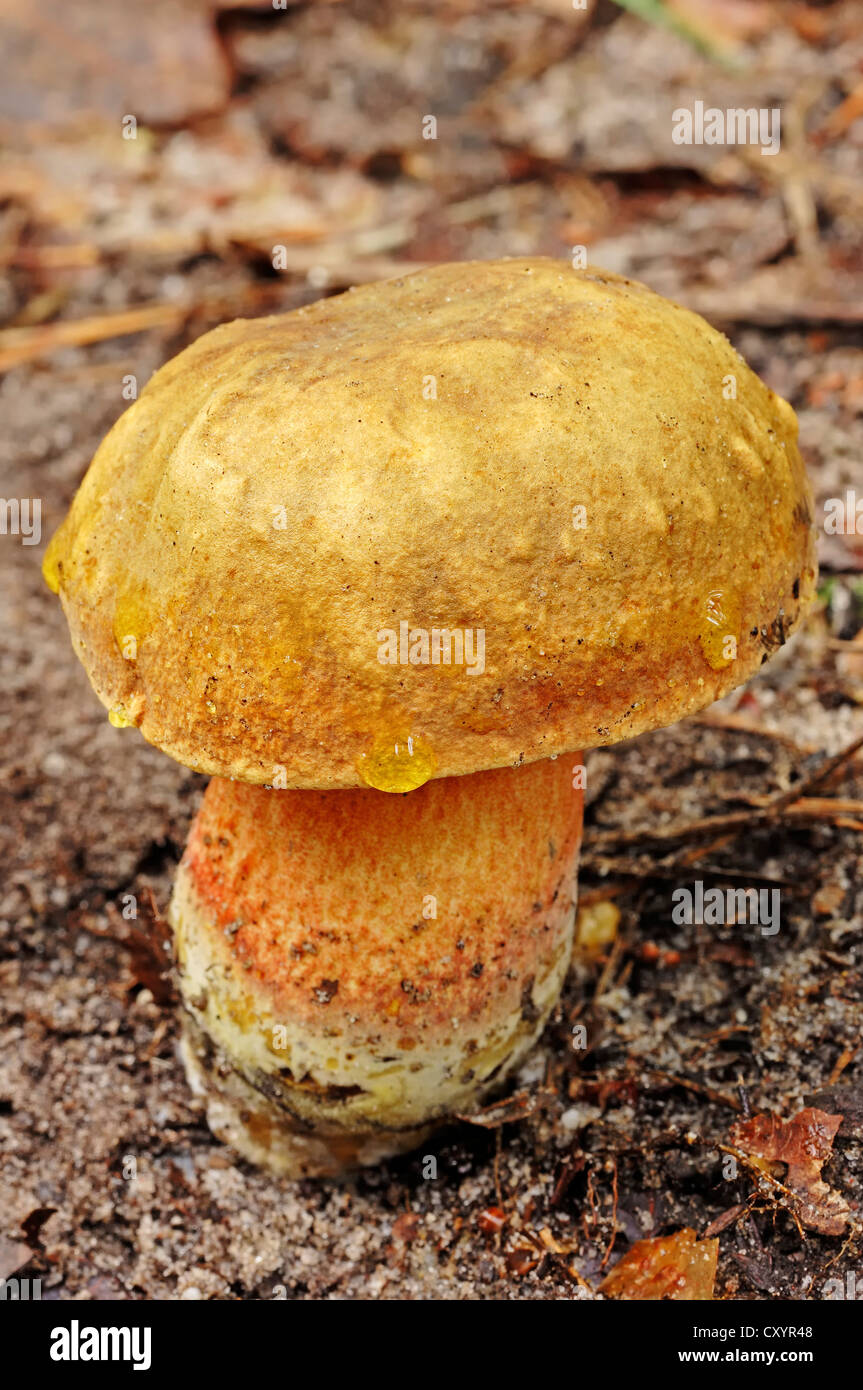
698,1088
727,1218
19,345
608,970
845,114
793,803
613,1238
738,723
668,868
842,1061
749,1162
773,314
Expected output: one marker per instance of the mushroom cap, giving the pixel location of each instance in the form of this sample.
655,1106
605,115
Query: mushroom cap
266,543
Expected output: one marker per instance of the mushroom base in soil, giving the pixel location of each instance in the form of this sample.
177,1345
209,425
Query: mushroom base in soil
357,966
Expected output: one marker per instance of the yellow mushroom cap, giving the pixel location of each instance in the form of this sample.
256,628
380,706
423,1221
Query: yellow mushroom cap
579,481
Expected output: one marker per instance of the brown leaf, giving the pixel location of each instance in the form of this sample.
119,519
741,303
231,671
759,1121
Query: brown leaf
161,62
149,942
666,1267
804,1144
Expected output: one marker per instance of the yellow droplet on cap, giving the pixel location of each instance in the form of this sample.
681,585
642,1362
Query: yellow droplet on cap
397,763
119,718
130,619
720,629
52,566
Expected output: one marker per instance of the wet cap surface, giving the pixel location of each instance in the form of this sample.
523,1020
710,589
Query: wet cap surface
481,514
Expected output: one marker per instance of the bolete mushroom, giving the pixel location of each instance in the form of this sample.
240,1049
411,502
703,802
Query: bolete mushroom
422,538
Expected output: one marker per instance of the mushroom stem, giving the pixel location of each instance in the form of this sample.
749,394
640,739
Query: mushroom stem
355,966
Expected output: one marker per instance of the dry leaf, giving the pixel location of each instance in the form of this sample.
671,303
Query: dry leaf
103,59
804,1144
666,1267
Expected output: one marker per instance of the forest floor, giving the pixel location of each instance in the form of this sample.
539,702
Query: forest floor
301,130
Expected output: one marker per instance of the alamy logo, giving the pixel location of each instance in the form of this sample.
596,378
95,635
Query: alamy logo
437,646
843,516
13,1289
736,126
715,907
21,517
77,1343
851,1289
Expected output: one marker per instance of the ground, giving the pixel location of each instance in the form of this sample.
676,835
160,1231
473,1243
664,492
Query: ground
301,132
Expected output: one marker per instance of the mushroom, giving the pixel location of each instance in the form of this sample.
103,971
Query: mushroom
376,566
